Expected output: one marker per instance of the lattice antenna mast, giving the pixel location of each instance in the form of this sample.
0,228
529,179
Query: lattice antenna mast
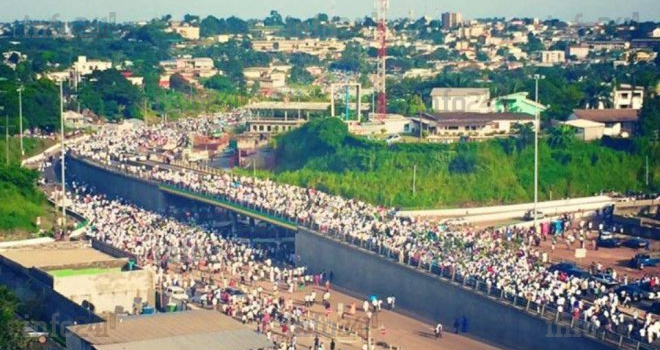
382,6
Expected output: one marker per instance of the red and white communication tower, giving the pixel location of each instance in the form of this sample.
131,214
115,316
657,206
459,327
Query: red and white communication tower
381,75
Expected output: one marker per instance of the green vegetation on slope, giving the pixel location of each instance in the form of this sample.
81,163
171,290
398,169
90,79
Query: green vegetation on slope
324,156
11,328
20,200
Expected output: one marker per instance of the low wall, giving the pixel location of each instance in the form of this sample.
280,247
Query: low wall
40,302
432,299
551,207
116,185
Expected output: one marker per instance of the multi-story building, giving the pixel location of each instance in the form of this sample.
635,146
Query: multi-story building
553,57
309,46
578,51
627,97
83,67
451,20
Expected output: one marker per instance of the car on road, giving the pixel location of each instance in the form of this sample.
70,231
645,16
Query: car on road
569,269
30,332
176,293
529,216
637,243
236,293
605,279
609,242
393,139
641,261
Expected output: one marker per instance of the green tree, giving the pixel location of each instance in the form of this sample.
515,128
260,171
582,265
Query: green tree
220,83
649,118
561,136
300,76
109,94
12,335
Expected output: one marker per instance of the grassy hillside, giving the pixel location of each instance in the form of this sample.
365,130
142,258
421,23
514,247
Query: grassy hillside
323,155
20,200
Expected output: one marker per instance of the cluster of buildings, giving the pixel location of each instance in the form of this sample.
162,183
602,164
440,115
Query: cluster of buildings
618,121
84,67
315,47
189,68
270,79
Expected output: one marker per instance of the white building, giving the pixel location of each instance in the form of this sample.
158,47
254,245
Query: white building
473,100
580,51
553,57
625,97
86,67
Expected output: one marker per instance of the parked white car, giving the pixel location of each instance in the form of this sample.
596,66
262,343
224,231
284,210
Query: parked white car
176,293
393,139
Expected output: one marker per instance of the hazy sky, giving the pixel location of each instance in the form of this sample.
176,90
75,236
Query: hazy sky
131,10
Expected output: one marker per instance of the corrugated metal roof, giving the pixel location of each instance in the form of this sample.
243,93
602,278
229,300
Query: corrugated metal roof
150,329
607,115
229,340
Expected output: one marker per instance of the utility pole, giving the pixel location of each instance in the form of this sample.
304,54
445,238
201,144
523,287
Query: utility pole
537,126
20,118
63,155
647,172
7,138
414,180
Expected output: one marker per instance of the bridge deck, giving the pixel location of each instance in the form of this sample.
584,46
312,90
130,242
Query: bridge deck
253,213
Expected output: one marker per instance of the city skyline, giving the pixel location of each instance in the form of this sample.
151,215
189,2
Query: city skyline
136,10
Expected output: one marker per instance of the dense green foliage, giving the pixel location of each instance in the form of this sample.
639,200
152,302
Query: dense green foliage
20,200
40,102
109,94
323,155
11,328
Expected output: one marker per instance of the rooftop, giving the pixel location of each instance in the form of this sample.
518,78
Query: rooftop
467,117
607,115
459,91
172,331
583,123
59,256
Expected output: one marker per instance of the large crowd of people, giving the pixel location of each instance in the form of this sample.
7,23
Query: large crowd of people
217,273
507,259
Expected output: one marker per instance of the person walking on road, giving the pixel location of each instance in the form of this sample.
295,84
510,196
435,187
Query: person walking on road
457,325
438,330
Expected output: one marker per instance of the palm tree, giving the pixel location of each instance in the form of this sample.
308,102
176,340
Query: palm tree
561,136
595,94
525,135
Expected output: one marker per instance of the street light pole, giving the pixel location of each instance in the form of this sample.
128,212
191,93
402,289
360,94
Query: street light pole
537,126
7,138
63,155
414,180
20,118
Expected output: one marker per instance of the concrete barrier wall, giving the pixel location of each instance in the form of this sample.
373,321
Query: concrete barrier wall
430,298
40,302
106,291
116,185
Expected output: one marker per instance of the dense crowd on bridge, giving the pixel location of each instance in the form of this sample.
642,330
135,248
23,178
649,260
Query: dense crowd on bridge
506,259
